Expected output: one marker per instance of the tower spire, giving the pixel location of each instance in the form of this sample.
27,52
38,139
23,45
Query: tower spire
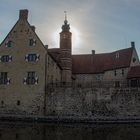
65,21
65,15
66,26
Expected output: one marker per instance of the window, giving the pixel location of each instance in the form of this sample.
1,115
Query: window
98,77
117,55
134,60
122,71
32,42
31,78
8,44
115,73
17,136
18,102
117,84
6,58
134,83
51,78
2,103
32,57
4,80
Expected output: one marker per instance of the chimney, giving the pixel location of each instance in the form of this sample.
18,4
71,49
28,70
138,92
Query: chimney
33,28
46,46
23,14
93,52
132,44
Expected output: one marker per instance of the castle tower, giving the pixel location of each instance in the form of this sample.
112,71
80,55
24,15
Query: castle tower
66,47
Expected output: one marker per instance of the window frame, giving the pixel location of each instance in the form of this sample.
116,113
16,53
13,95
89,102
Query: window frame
4,80
5,58
32,42
32,57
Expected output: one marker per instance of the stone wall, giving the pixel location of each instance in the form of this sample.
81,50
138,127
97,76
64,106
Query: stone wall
93,102
18,96
53,71
29,104
84,78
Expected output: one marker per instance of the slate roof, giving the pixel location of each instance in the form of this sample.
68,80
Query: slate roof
134,72
97,63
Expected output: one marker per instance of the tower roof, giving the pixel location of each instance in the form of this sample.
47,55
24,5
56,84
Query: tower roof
65,26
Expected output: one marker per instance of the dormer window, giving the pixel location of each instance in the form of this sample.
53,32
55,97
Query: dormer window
32,57
8,44
117,55
32,42
6,58
134,60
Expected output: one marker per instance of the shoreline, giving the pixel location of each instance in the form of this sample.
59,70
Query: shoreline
72,120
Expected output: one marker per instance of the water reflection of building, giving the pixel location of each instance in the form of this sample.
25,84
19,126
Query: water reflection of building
28,68
16,131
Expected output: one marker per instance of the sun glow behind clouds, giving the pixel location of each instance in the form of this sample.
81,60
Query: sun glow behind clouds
75,38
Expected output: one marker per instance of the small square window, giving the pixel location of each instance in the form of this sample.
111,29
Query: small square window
2,103
117,84
32,57
122,71
17,136
134,60
32,42
18,102
115,73
8,44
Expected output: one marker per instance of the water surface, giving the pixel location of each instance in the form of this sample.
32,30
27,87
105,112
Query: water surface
40,131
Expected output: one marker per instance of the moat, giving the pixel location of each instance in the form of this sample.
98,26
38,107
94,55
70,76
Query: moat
40,131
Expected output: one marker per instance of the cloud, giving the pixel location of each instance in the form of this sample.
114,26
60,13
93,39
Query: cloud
102,24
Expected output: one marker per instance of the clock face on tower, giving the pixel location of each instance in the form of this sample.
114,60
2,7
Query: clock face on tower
64,36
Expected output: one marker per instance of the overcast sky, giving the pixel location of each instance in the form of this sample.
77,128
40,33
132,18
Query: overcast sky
101,25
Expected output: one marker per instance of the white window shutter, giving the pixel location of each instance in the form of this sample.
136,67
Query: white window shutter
24,81
8,81
37,57
10,58
36,80
34,43
26,57
6,43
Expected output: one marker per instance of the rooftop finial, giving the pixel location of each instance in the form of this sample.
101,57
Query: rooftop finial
66,26
65,17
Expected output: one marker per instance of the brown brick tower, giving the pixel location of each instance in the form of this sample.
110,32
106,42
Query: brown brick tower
66,47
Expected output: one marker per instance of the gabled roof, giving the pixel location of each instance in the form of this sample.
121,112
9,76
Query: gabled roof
98,63
29,26
134,72
55,53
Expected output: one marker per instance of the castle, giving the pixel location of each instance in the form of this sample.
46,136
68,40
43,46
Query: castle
28,69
